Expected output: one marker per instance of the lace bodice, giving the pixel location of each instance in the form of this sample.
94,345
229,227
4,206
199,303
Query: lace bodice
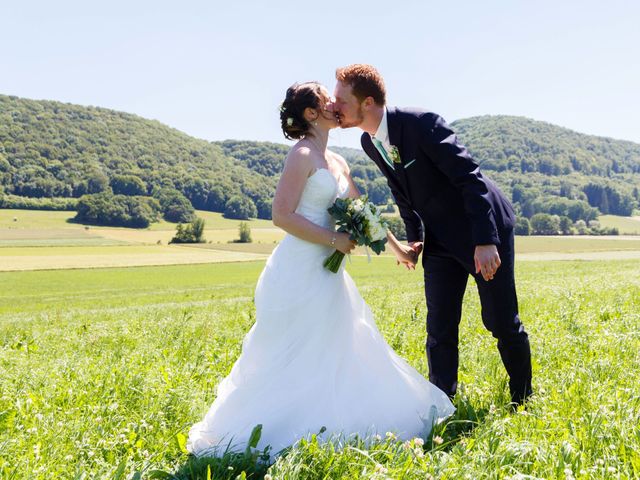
319,193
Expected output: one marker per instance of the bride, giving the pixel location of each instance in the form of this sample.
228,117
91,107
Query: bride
314,357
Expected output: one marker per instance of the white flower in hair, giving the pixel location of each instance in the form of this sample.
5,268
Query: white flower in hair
289,121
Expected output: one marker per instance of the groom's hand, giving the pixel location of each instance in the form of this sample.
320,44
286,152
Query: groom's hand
487,261
406,256
417,247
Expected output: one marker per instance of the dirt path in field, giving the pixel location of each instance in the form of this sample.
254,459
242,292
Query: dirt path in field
607,255
176,256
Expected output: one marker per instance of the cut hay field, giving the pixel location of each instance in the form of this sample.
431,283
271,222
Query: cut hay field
104,370
625,225
48,240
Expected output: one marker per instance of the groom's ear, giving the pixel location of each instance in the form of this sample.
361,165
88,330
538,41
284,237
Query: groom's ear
368,102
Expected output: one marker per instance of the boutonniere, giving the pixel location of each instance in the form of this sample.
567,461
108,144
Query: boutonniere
394,153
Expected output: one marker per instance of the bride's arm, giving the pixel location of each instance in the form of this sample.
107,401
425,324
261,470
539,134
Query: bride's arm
297,167
404,254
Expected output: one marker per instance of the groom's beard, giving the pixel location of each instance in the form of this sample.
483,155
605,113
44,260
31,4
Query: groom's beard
358,120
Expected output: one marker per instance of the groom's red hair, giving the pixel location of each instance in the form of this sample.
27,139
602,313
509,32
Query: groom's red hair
365,82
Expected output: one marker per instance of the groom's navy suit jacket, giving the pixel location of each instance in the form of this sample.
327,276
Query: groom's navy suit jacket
438,185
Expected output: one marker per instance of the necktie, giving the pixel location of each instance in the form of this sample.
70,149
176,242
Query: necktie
383,152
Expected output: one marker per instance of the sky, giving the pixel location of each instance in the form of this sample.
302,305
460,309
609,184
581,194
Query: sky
219,70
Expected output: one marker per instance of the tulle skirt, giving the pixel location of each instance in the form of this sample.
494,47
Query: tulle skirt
314,358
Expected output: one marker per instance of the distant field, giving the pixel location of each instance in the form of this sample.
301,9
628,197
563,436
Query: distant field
47,258
46,240
53,219
36,219
223,235
51,228
575,244
625,225
215,220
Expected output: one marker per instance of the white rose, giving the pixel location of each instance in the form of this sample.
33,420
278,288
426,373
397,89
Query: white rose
378,232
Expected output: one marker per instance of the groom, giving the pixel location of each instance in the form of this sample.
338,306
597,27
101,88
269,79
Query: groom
464,219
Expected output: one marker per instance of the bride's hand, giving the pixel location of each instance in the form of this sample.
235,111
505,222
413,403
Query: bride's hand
407,256
344,243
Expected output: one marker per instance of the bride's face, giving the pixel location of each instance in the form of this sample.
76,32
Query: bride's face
325,110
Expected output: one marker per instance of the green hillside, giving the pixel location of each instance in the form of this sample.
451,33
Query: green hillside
52,153
52,149
537,162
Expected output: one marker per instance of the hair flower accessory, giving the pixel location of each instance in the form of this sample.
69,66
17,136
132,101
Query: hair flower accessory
289,121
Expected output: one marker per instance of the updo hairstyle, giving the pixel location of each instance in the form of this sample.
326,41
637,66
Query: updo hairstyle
299,96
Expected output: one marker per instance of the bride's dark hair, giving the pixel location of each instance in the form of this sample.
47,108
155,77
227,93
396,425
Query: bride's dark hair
299,96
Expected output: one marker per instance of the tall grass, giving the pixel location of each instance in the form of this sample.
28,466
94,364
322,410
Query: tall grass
104,371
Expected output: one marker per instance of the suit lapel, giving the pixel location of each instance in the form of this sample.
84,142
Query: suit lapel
375,155
394,126
388,172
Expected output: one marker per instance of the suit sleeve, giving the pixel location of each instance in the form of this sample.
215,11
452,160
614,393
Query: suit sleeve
441,145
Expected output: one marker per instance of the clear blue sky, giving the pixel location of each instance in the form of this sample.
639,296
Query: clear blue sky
219,70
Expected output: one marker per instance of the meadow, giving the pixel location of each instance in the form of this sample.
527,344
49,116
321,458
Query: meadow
104,371
36,240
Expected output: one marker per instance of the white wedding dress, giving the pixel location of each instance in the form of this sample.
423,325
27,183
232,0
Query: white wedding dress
314,357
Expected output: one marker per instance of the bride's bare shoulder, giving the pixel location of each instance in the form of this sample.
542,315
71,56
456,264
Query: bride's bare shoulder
300,157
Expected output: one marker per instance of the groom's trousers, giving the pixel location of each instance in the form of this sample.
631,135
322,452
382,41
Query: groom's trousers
445,284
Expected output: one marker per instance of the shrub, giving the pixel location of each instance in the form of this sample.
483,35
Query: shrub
28,203
117,210
175,206
545,224
190,232
245,233
523,227
241,208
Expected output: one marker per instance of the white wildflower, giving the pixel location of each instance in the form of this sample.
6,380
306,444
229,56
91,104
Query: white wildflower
380,468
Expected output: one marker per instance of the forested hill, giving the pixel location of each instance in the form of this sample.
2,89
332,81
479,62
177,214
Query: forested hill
54,150
546,168
522,145
541,167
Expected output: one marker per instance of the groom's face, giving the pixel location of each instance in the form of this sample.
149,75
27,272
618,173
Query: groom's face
347,107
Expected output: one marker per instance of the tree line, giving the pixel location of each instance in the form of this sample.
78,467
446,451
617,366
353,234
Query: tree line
117,168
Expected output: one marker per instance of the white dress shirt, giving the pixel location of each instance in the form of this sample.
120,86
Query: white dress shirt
382,133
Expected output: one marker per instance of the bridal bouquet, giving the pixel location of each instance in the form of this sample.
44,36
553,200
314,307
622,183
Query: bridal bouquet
361,219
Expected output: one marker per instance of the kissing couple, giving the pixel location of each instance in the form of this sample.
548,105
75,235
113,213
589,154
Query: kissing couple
314,360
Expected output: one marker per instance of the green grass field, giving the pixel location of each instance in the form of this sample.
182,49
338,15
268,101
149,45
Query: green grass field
625,225
47,240
104,370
